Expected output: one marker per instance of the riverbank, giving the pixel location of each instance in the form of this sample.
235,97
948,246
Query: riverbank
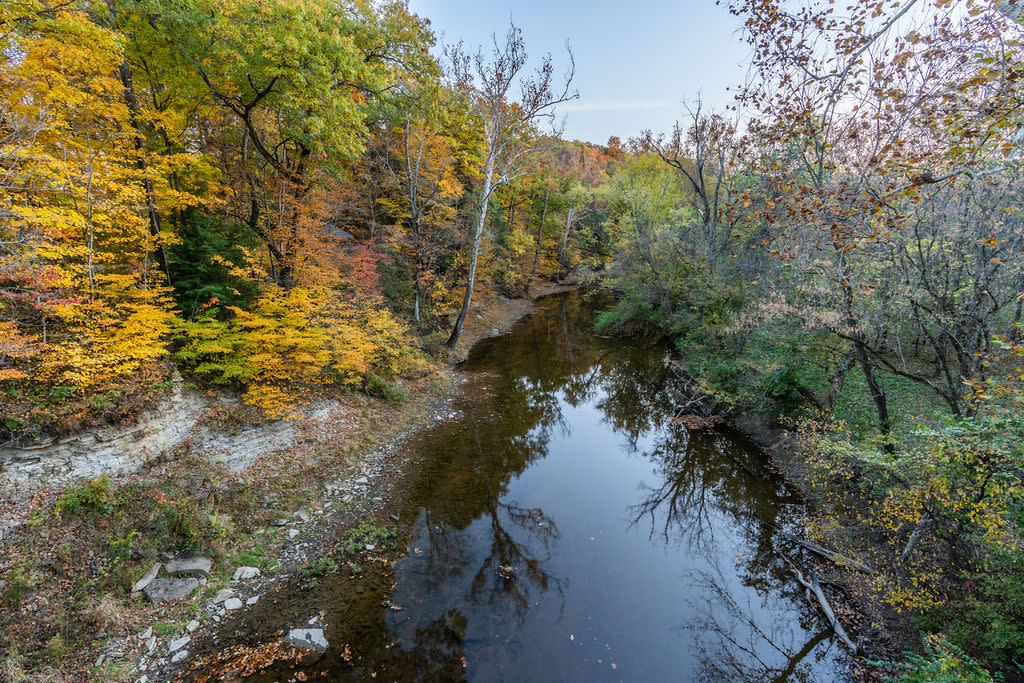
70,557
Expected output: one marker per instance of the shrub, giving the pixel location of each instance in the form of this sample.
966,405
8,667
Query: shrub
377,387
302,339
96,495
942,662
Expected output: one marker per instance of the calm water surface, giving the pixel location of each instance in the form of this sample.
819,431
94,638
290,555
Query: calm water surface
566,529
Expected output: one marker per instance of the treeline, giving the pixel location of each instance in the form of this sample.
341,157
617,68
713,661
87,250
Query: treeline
278,197
844,248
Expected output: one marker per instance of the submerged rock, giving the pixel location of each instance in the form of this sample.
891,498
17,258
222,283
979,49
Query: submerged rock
307,638
169,590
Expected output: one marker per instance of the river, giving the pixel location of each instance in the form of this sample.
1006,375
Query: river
567,529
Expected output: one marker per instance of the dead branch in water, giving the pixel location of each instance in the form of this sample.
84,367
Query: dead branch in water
814,586
689,399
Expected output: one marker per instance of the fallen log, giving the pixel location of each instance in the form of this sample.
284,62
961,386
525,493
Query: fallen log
814,586
841,560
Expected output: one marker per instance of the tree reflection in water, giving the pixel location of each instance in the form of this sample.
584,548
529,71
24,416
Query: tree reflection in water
704,476
736,646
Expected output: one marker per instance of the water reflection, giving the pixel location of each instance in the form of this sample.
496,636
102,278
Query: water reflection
704,476
734,645
566,529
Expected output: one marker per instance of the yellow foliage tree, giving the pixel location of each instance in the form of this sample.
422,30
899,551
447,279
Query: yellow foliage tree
75,250
295,342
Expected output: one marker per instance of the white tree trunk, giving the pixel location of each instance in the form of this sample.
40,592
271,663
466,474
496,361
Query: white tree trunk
477,234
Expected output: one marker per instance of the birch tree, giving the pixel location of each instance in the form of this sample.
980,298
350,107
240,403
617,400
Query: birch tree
488,81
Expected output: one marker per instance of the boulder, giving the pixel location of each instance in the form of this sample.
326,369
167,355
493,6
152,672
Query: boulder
144,581
222,595
169,590
179,643
246,573
232,604
189,565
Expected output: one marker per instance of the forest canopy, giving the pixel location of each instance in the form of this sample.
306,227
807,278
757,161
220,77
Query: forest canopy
271,196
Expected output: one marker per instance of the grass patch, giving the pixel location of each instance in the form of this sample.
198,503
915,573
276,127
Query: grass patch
163,628
317,568
367,533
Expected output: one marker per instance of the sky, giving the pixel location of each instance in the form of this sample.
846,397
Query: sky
637,61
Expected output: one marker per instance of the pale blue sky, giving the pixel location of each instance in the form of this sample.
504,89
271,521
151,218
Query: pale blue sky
636,60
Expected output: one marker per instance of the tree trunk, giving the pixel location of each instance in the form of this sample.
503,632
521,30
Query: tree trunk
411,187
124,71
835,384
481,220
512,206
877,394
287,274
147,182
417,265
416,305
1015,328
860,351
563,257
540,234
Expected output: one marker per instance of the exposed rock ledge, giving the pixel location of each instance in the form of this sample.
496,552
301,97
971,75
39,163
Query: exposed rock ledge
124,449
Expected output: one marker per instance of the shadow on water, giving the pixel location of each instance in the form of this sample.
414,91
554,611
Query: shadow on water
566,529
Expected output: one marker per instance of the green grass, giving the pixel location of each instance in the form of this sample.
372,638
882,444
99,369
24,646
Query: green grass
163,628
368,532
321,567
